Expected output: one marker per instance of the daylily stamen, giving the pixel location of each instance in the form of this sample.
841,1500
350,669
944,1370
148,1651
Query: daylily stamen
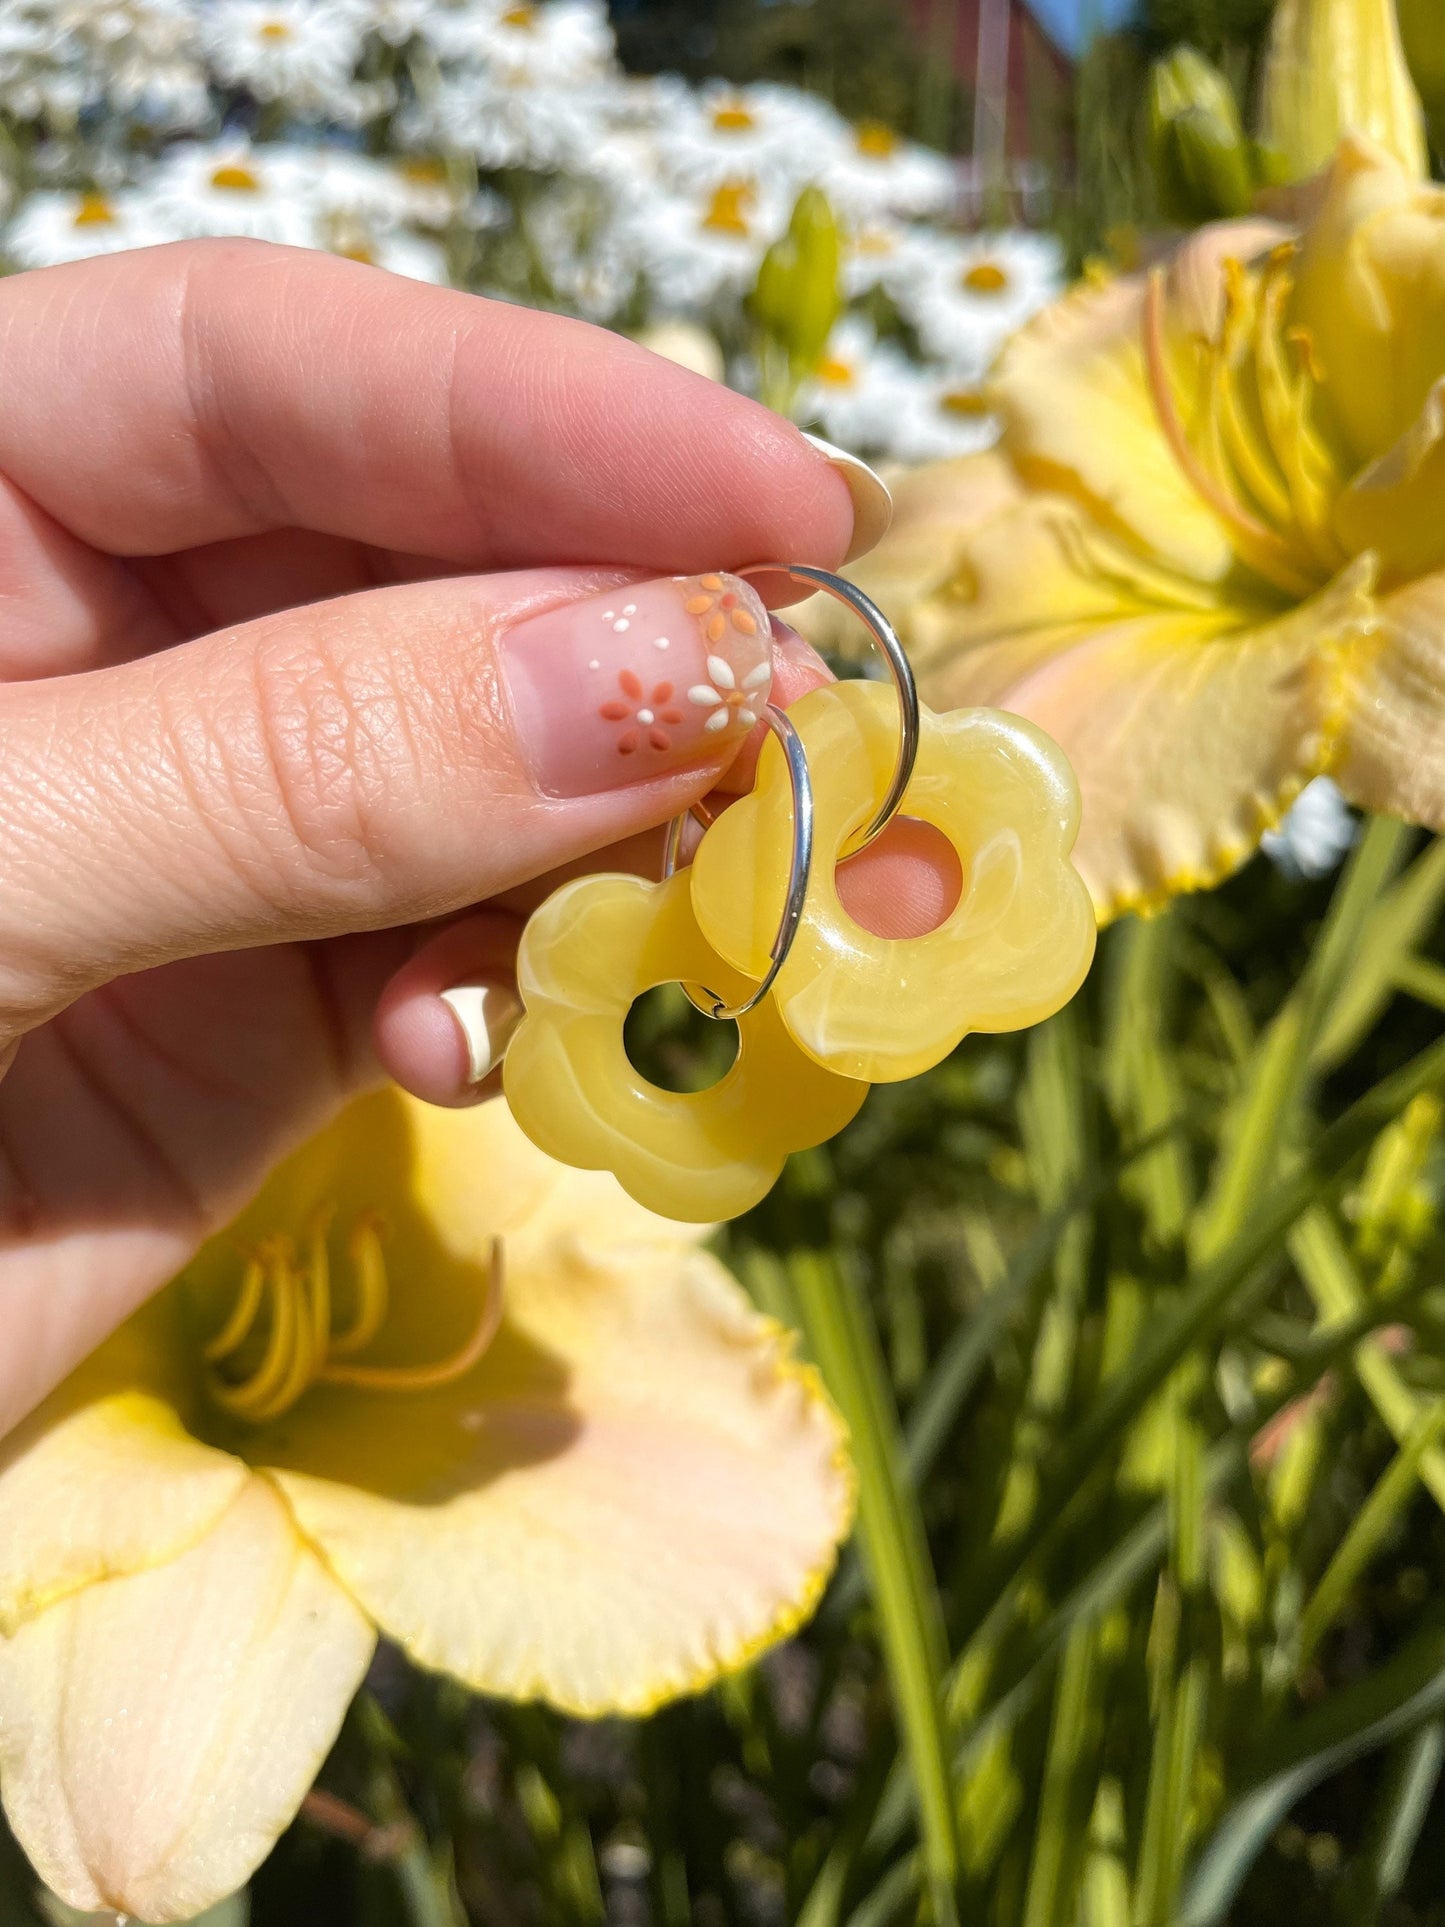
1257,546
300,1348
369,1276
428,1378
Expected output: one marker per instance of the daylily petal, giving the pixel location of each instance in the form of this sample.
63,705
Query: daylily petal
1394,505
1019,578
1392,756
934,509
158,1732
1189,740
635,1491
104,1478
1370,294
1080,419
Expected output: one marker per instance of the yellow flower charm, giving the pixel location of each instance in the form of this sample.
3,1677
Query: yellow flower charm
1209,557
1014,948
593,948
608,1487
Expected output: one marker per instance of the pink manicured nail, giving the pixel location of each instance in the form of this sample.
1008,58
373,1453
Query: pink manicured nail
627,685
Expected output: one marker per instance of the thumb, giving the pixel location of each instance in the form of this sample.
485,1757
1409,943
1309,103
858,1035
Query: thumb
376,760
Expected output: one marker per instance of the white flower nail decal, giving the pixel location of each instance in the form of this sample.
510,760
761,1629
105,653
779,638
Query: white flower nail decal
725,699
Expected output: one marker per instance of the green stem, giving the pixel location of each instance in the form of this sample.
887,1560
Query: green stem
1367,1531
424,1885
895,1552
1263,1118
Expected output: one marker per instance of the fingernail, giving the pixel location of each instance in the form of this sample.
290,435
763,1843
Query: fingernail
487,1014
625,686
872,502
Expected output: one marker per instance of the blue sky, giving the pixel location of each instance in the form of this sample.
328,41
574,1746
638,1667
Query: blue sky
1072,22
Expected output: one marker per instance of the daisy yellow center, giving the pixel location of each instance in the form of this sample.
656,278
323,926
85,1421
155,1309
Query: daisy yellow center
426,173
727,209
274,30
240,180
876,140
358,251
964,401
94,211
734,119
1245,427
837,374
986,277
523,17
283,1334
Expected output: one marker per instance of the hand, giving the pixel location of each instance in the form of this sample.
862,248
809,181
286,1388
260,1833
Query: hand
270,711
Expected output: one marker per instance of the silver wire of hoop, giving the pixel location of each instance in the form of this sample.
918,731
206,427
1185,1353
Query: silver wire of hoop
800,868
885,636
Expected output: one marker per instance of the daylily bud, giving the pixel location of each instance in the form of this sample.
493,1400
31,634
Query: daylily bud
1202,159
796,299
1337,67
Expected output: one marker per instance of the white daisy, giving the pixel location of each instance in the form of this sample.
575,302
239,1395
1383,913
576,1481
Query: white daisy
141,58
301,52
979,291
942,415
697,248
879,174
42,73
545,128
406,254
860,388
225,187
54,227
763,133
573,231
557,43
1316,832
887,254
385,194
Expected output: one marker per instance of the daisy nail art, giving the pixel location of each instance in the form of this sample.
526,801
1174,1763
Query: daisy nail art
623,686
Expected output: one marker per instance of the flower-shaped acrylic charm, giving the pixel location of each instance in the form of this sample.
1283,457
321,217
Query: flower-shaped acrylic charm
1014,948
594,947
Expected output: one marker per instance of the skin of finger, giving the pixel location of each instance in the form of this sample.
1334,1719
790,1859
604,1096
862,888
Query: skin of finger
336,768
243,386
416,1038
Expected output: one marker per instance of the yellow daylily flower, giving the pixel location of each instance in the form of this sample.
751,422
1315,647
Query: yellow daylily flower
605,1484
1209,555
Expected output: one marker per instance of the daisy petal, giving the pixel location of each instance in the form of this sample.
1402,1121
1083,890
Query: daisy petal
756,678
721,672
719,719
704,697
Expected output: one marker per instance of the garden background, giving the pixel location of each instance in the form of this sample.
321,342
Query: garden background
1137,1318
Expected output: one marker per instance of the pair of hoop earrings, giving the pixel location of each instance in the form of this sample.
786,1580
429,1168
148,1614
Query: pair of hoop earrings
755,931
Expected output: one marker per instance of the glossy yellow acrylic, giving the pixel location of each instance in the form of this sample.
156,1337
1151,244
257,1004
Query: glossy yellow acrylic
1013,950
591,950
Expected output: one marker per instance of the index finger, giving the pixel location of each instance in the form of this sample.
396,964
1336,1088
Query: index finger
186,394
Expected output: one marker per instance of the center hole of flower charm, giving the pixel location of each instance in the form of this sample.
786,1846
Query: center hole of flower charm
905,884
675,1046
